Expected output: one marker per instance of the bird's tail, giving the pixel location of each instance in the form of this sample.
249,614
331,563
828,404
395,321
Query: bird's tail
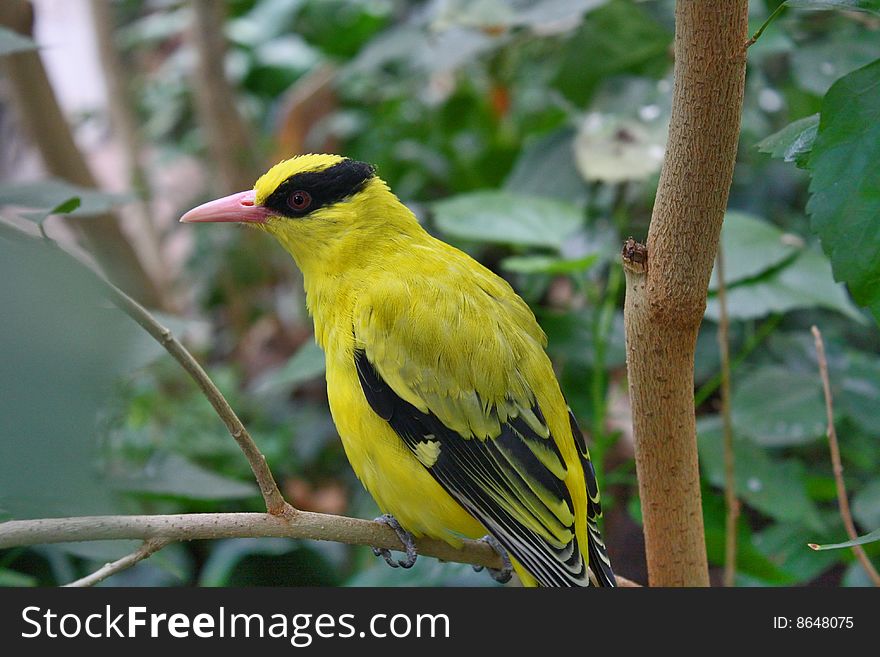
601,573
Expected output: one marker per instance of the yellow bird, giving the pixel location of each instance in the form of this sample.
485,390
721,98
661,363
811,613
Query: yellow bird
439,385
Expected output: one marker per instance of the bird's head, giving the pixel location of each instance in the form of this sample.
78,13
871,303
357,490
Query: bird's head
320,207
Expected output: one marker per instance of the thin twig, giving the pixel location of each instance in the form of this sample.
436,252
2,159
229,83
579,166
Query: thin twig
144,551
842,499
192,526
275,502
766,24
730,500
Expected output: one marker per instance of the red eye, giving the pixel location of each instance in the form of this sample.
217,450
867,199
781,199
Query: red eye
299,200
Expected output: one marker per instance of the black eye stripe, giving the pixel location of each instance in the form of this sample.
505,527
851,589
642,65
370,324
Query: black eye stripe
326,187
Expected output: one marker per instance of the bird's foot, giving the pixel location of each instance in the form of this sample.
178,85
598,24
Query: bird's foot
405,537
503,575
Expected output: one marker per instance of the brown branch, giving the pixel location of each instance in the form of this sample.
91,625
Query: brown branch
143,552
193,526
730,500
837,465
40,112
666,296
187,527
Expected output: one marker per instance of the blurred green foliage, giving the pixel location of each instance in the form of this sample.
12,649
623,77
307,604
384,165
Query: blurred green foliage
529,134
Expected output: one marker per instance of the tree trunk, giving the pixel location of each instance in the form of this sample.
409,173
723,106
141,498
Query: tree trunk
40,113
667,283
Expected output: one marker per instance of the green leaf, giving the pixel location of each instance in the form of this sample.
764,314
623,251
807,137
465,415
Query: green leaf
620,37
775,487
794,142
444,52
775,408
821,488
288,55
266,21
571,339
540,264
872,6
866,505
820,65
508,218
546,167
844,205
305,365
9,578
172,475
268,562
544,16
856,379
873,537
807,282
337,29
64,347
750,562
226,554
11,42
313,431
55,196
855,384
67,207
751,247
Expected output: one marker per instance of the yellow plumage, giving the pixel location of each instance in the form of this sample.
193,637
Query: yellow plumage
446,403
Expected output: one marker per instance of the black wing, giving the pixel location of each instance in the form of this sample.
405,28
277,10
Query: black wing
500,481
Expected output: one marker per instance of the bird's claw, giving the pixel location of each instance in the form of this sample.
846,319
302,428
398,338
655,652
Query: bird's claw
503,575
405,537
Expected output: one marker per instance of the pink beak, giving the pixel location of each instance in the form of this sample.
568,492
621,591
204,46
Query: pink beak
239,207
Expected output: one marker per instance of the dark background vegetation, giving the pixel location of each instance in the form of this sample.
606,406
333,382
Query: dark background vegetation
529,135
